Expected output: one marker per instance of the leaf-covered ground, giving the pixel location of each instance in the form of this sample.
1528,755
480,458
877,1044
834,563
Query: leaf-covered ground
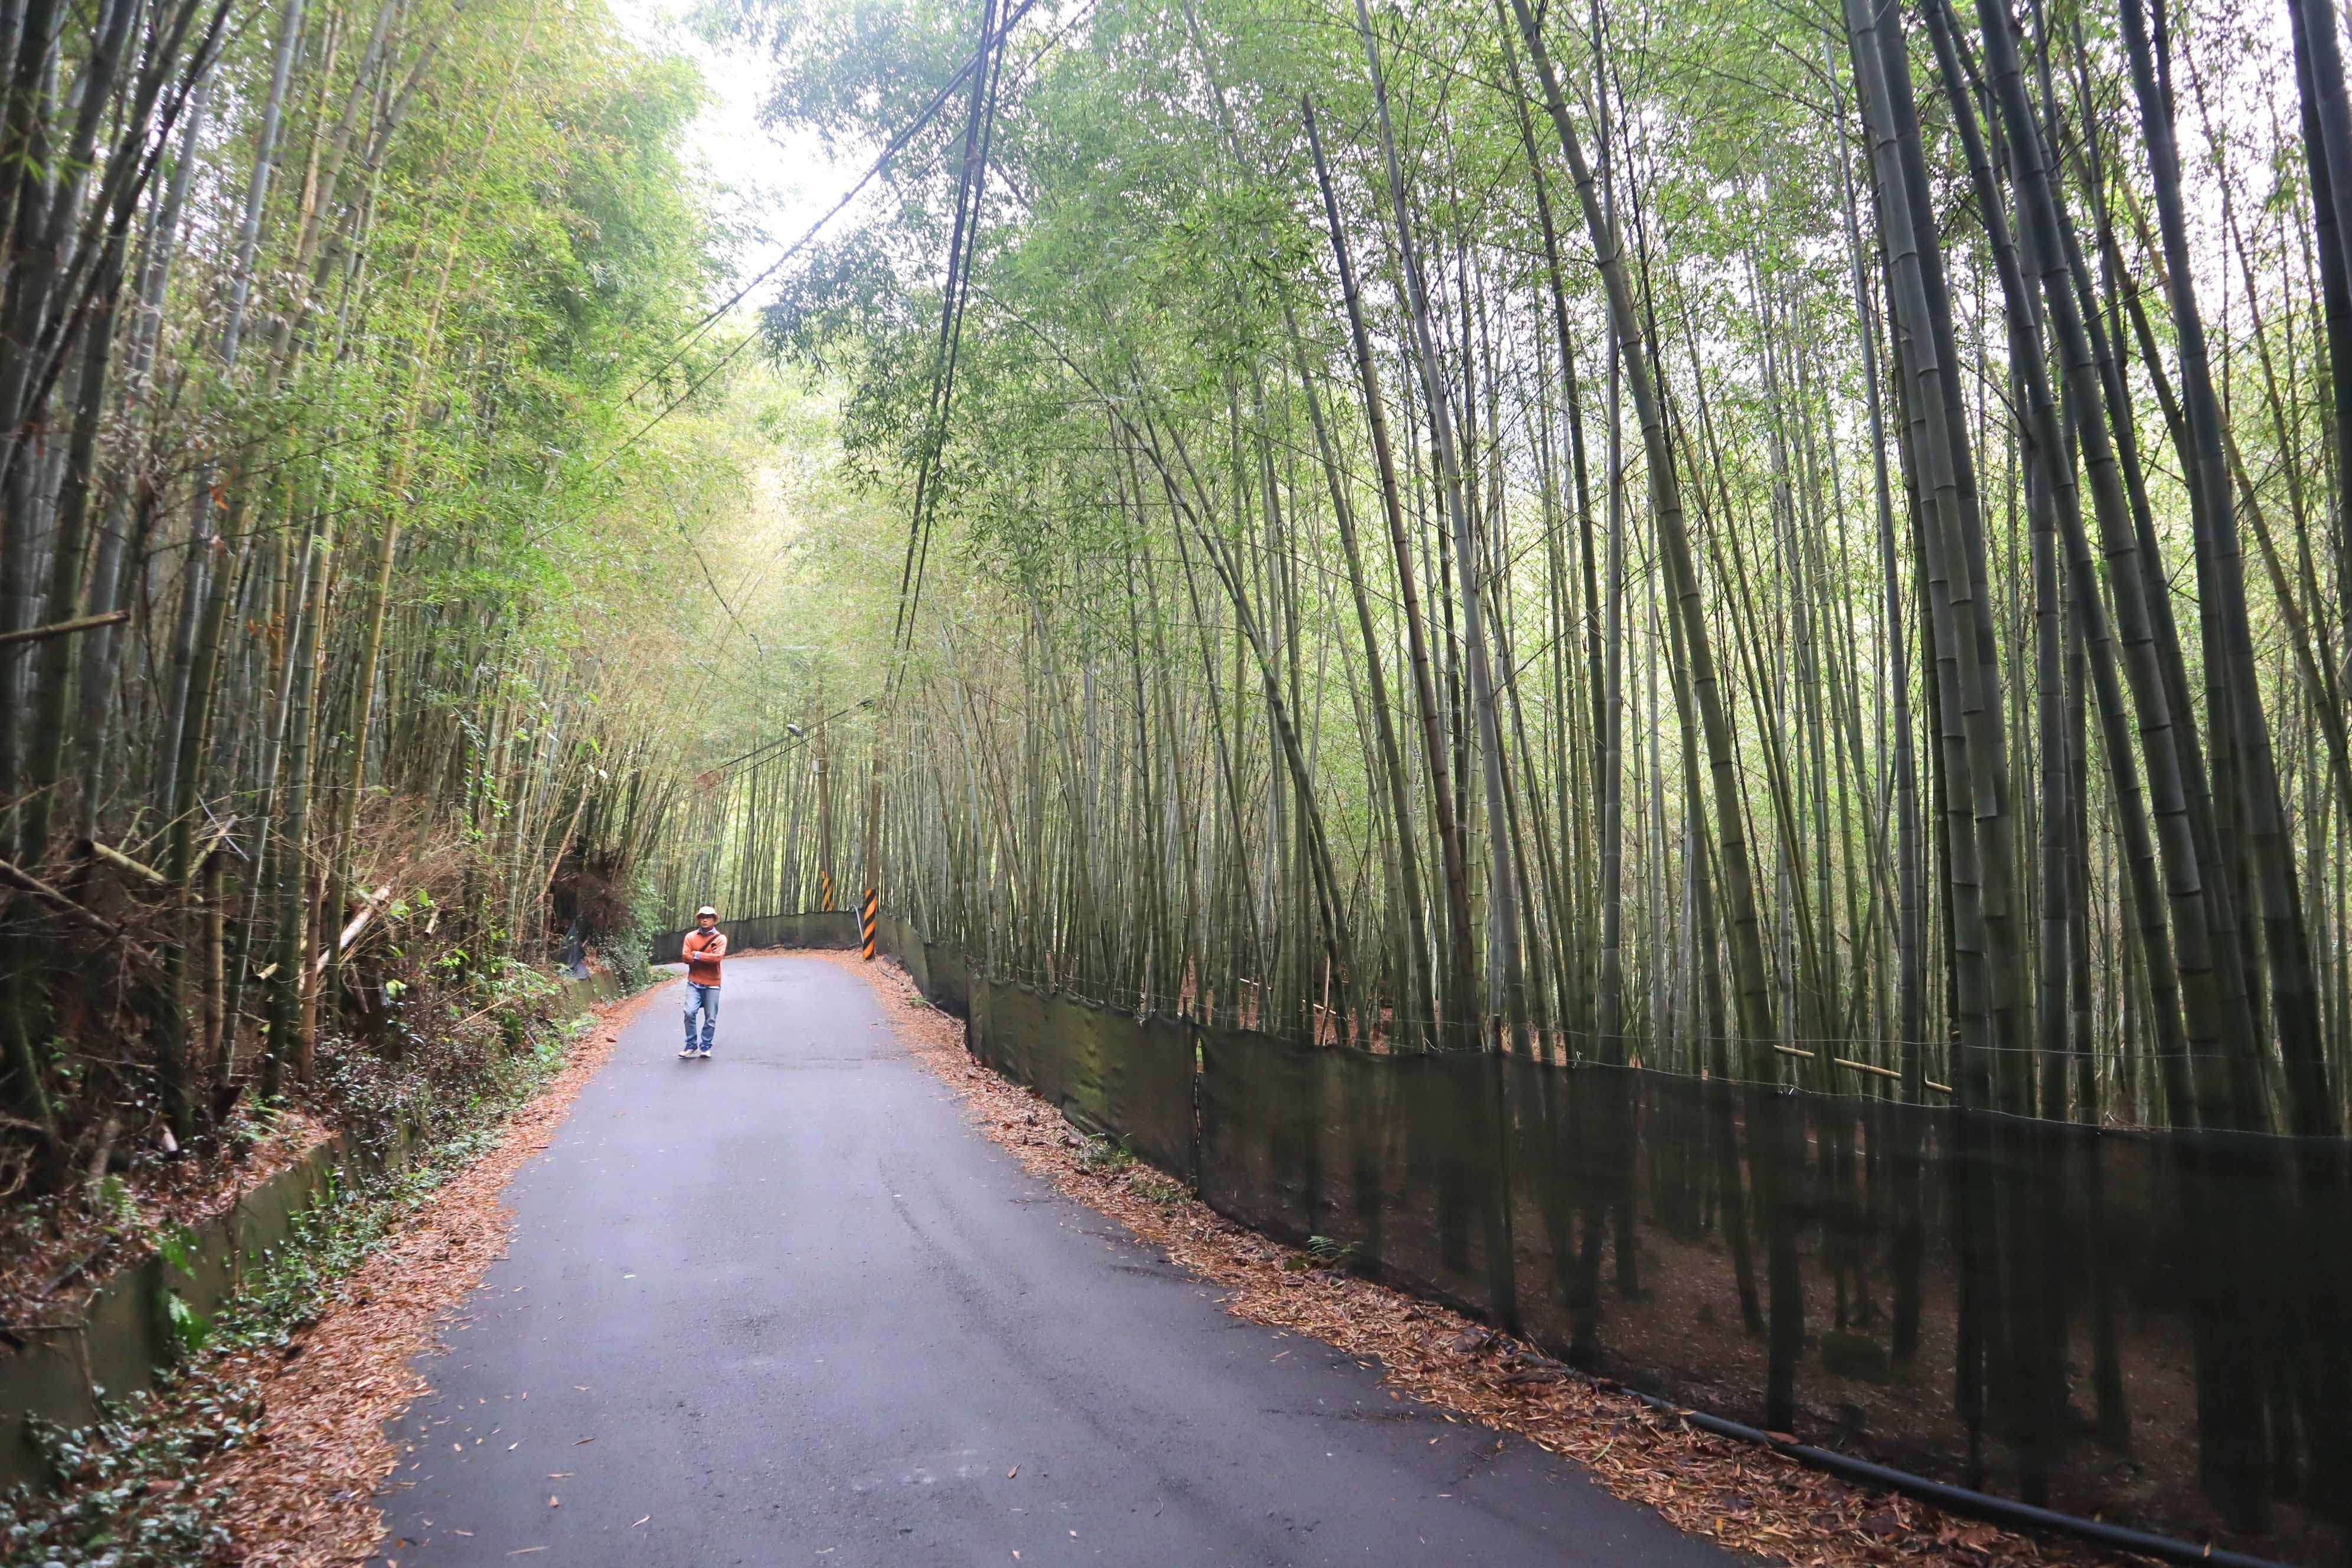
301,1492
1750,1498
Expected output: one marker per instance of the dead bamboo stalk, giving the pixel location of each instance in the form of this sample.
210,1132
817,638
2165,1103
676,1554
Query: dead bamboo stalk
64,628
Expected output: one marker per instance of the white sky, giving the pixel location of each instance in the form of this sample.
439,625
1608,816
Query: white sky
779,184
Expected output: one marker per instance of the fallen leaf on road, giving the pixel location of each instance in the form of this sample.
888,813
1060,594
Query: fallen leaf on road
1013,1472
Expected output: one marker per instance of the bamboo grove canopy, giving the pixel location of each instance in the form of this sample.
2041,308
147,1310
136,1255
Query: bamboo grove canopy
1785,567
339,646
1665,634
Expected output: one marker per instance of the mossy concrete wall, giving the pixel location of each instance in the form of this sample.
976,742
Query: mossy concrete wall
122,1341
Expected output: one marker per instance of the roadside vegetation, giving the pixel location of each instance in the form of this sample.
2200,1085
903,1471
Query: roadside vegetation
355,438
361,427
139,1488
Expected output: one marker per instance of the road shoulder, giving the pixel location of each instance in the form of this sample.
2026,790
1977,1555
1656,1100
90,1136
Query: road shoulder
1740,1496
303,1496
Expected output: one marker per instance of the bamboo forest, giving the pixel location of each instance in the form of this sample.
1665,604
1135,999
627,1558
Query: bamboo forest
1677,678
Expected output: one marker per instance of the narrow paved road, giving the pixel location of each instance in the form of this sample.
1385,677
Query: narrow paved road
786,1307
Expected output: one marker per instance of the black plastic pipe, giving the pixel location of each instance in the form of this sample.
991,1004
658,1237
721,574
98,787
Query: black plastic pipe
1960,1500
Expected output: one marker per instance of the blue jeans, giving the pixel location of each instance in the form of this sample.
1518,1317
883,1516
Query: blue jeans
706,998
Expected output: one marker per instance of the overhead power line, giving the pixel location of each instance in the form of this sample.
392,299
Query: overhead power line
898,144
979,133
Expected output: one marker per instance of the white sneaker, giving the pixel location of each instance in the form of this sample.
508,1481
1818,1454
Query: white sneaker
686,1055
704,1053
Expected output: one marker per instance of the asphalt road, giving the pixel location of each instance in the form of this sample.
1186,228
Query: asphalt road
786,1307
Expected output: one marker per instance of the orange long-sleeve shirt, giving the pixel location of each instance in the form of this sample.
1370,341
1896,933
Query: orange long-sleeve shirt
703,951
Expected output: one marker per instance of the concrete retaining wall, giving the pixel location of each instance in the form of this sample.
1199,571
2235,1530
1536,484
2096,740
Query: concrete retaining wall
124,1341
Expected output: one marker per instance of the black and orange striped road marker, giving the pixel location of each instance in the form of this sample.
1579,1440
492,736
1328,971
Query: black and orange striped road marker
865,912
824,886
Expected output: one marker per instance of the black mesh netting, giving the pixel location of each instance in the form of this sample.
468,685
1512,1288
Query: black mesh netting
2144,1327
2150,1328
947,979
1130,1080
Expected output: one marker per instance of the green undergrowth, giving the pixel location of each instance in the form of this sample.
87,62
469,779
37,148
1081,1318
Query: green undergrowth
1101,1157
1154,1188
130,1490
628,945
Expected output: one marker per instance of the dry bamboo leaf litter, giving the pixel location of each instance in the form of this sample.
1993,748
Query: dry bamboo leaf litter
1748,1498
301,1496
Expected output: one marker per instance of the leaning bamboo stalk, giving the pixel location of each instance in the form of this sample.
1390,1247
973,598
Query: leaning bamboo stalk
1461,985
2287,943
1755,1003
66,629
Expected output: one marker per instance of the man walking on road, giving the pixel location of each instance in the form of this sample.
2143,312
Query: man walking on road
705,946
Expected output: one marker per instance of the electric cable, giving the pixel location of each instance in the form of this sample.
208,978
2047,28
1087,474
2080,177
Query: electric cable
897,143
